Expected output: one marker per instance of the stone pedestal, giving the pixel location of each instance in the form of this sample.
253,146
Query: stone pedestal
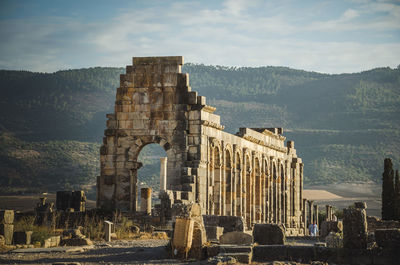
7,230
145,200
108,230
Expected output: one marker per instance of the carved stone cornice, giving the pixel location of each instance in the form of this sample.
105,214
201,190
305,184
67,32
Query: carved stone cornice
263,143
213,125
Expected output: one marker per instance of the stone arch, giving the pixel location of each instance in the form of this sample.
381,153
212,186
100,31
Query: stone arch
133,165
293,189
257,188
249,187
282,205
266,187
229,181
274,192
216,206
238,183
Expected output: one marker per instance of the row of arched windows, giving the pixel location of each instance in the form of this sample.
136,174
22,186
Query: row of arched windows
258,188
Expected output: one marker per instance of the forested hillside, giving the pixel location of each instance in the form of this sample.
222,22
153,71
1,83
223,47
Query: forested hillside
343,125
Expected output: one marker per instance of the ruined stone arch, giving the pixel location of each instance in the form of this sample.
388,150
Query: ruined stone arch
226,173
267,188
229,182
248,178
137,143
257,189
238,202
274,197
282,192
216,182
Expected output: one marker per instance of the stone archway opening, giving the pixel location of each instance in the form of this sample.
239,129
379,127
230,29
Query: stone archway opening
152,174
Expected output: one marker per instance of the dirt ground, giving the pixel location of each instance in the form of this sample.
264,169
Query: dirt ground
342,195
152,251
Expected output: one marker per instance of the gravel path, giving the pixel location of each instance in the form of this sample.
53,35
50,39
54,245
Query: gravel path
152,251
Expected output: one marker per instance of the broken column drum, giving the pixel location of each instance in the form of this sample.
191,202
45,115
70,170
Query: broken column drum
252,173
145,200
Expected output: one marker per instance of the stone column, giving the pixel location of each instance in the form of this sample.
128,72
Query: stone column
304,221
108,230
328,213
163,173
145,200
311,212
301,168
316,214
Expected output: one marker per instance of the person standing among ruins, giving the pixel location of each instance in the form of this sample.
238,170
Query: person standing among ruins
313,228
334,218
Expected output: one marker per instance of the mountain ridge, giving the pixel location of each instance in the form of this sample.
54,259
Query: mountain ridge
343,124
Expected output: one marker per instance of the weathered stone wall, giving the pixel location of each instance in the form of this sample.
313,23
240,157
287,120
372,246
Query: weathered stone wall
375,223
251,174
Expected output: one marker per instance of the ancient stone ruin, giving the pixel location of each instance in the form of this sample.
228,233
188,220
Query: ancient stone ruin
251,174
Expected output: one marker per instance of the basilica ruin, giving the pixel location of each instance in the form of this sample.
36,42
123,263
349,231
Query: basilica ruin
250,174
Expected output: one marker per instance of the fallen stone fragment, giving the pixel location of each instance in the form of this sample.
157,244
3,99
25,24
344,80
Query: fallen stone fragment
269,234
236,238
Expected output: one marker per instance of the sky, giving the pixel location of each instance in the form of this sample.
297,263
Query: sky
314,35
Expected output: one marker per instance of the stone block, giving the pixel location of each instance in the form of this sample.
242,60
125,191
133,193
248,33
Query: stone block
334,240
224,260
236,238
187,195
386,256
6,216
303,254
331,226
269,253
53,241
388,238
22,237
201,100
214,232
327,254
194,115
76,242
269,234
354,228
63,200
183,235
7,230
229,223
192,98
213,250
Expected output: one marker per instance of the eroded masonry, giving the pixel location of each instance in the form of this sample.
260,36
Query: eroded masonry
252,173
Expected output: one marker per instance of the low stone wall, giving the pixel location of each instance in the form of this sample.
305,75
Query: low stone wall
376,223
307,254
229,223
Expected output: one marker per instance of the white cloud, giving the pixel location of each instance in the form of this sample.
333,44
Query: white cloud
229,35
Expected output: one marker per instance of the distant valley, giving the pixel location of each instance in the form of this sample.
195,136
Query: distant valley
51,124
